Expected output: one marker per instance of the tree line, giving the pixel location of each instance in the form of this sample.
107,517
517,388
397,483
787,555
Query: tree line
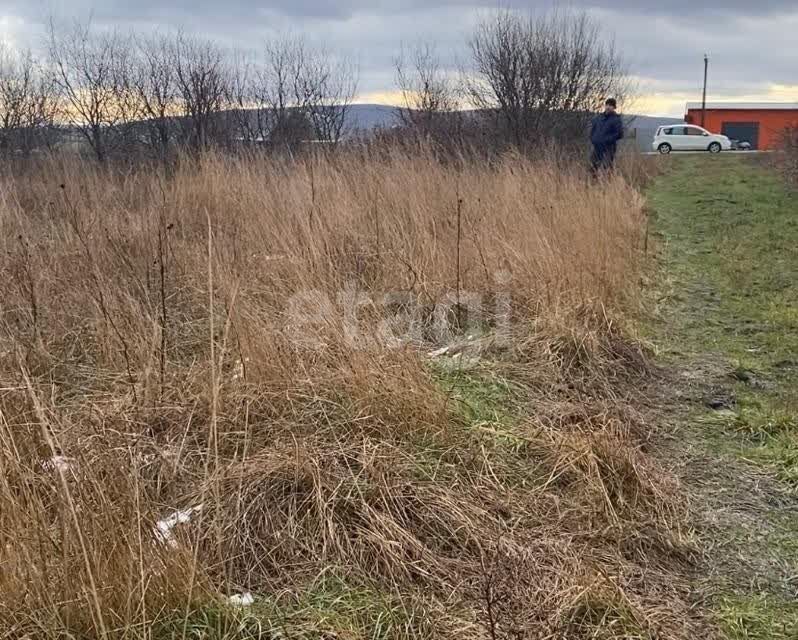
526,81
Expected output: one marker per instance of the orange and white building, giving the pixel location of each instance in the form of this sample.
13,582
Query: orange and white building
760,123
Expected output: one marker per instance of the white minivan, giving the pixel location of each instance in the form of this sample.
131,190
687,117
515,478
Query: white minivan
689,137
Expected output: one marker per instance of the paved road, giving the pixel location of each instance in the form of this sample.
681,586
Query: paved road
696,153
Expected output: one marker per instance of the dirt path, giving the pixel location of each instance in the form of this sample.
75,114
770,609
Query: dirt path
726,327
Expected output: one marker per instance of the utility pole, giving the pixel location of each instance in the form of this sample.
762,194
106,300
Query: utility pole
704,99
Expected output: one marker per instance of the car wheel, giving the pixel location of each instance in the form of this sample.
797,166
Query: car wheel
715,147
665,148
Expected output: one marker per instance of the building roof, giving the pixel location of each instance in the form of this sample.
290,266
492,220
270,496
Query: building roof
770,106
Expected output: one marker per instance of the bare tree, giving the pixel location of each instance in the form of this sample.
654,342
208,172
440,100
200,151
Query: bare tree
296,93
430,101
201,73
154,87
27,102
16,79
280,92
262,94
541,77
244,115
91,71
326,88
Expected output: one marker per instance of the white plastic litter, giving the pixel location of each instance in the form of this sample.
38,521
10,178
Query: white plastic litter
238,369
439,352
245,599
164,528
58,463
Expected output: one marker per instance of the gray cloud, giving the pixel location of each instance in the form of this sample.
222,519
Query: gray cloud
324,9
751,45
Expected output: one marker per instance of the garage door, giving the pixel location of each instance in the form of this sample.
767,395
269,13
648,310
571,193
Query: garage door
742,132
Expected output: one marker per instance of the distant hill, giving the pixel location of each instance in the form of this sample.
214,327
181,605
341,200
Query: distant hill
365,117
653,122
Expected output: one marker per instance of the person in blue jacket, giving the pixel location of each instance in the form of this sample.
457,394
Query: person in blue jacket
605,133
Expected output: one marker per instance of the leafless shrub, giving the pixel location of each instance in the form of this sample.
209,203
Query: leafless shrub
91,70
154,84
430,96
278,92
326,89
270,105
293,93
27,103
532,82
539,78
202,75
243,117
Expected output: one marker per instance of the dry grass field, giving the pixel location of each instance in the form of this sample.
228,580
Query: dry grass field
387,396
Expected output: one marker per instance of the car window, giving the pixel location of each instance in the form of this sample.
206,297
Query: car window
694,131
677,131
667,132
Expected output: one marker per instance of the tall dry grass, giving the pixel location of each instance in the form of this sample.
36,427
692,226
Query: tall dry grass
246,342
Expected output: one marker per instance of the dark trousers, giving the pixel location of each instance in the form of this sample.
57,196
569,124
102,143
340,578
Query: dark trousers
602,159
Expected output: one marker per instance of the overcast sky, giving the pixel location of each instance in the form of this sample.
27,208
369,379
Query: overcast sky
752,45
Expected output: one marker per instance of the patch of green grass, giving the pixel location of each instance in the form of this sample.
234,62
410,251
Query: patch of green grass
479,397
758,617
489,404
762,431
213,622
730,232
605,616
781,453
328,608
489,408
333,608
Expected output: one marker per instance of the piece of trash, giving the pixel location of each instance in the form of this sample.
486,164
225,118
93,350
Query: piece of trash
238,369
245,599
438,352
58,463
449,350
164,528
